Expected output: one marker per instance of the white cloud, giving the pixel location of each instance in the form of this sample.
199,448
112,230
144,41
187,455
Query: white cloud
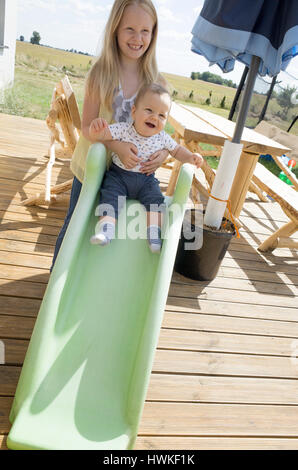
174,34
51,6
83,7
166,14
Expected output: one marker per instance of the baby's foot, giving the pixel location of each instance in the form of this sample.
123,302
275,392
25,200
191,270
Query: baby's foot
104,235
154,238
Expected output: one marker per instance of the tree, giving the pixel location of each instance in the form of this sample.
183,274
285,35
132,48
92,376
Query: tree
223,103
35,39
22,38
284,100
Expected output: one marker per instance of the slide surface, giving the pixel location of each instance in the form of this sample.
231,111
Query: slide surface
87,368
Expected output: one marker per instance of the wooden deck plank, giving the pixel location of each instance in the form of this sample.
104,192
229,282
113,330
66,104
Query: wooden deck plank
243,285
190,362
19,306
196,389
239,309
229,324
187,363
204,443
189,419
17,272
208,419
231,295
186,340
240,260
215,443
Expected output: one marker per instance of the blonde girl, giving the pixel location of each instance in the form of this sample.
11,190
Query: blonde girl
126,63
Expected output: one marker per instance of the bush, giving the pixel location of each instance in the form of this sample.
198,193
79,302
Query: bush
223,103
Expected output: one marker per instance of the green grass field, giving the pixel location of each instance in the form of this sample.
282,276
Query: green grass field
39,68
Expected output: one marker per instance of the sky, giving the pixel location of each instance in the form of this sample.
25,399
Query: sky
78,24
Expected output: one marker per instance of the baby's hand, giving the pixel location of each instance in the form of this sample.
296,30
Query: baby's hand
197,160
98,129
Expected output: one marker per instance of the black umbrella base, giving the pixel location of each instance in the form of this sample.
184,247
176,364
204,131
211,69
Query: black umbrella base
203,264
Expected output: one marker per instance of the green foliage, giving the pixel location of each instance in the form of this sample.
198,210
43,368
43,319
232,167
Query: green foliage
284,100
212,78
35,39
223,103
208,100
274,168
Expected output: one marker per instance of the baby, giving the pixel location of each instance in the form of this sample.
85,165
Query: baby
149,114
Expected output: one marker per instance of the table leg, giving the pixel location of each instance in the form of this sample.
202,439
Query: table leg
176,168
244,173
173,178
284,232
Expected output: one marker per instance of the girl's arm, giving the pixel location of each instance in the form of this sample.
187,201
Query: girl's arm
185,156
154,162
126,152
90,112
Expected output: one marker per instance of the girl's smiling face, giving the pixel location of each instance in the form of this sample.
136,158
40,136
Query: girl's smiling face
134,32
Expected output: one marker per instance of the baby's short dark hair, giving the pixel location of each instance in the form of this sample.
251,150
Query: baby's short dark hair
154,88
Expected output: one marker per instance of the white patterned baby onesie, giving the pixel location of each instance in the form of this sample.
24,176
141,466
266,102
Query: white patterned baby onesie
146,146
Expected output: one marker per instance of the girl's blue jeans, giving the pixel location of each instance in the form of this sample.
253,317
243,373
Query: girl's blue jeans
74,196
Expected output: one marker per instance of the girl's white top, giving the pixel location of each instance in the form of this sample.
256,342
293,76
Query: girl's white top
122,106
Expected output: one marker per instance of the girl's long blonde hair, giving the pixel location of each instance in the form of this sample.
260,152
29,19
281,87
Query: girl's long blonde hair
103,77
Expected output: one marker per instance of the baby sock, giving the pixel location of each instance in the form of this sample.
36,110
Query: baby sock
154,238
104,233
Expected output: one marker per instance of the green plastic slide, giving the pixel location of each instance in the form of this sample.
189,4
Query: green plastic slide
87,368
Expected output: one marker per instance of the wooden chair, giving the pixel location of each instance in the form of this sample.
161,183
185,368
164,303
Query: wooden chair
64,109
287,198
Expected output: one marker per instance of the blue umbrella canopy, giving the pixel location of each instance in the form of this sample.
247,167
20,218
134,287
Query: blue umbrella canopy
229,30
263,34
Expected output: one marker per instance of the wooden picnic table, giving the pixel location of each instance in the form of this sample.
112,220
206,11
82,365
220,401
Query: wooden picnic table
195,125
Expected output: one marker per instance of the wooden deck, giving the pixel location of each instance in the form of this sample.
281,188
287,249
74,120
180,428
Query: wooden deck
225,374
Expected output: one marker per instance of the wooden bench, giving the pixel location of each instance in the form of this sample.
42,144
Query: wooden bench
287,198
64,109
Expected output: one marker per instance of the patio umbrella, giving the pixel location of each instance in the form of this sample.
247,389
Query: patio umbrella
263,34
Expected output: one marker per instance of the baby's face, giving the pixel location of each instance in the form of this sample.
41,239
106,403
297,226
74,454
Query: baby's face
151,113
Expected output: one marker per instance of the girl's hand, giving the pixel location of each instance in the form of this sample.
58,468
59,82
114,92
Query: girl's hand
197,160
98,129
127,152
154,162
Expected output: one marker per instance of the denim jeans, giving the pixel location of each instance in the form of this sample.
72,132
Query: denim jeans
74,196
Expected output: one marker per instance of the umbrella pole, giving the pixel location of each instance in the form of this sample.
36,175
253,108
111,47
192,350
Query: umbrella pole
246,98
230,157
